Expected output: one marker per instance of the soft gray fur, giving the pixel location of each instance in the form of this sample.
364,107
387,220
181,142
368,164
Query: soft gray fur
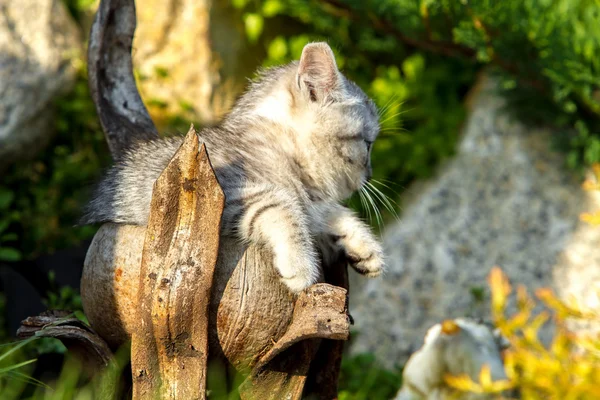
295,145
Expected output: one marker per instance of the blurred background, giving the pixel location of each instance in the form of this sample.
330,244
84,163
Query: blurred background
490,122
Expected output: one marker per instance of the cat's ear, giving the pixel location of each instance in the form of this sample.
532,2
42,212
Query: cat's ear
318,74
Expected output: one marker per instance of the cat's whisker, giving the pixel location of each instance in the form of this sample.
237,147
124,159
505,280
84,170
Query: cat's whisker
380,197
384,199
401,187
391,135
393,183
397,206
393,104
393,128
374,205
389,105
390,203
394,108
393,116
365,205
385,186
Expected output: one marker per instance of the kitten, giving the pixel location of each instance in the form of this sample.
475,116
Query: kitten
294,146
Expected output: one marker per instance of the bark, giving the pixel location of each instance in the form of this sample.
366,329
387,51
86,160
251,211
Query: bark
319,312
169,350
122,113
89,348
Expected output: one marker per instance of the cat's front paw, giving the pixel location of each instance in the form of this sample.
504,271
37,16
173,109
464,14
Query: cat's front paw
364,253
297,271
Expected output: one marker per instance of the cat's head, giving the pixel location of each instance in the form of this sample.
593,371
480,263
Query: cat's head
331,122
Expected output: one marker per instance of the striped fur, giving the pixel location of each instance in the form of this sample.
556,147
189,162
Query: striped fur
294,146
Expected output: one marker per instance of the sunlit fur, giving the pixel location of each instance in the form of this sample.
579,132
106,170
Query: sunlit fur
294,146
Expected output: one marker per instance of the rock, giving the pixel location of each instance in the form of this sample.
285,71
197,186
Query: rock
454,347
506,199
192,58
37,42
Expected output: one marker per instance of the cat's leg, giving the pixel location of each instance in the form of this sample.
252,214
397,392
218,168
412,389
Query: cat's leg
275,218
351,235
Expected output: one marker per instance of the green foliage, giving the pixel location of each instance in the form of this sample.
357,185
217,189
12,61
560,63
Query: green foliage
64,298
421,126
71,381
7,252
78,8
16,368
362,379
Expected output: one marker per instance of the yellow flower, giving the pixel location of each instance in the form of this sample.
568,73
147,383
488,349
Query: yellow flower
485,385
593,219
568,369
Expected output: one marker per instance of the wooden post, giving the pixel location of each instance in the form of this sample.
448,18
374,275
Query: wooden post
169,352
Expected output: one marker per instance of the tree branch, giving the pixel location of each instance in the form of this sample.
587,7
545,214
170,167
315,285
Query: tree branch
122,113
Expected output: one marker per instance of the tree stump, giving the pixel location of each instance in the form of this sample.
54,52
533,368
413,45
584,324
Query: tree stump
158,299
181,292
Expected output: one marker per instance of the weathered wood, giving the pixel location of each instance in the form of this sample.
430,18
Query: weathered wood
122,113
284,377
170,347
250,310
320,312
80,340
324,374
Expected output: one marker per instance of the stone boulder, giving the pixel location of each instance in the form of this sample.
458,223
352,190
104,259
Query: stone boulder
505,199
192,58
38,39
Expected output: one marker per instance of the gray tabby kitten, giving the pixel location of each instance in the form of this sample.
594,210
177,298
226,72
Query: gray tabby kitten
295,145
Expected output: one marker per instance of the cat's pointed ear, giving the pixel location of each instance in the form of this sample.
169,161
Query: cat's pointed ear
318,74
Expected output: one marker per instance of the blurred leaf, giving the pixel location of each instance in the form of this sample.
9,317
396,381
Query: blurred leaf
9,254
239,3
277,48
3,225
272,7
9,237
254,24
6,198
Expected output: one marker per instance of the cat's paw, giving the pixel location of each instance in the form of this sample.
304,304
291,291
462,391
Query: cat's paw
364,253
297,271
